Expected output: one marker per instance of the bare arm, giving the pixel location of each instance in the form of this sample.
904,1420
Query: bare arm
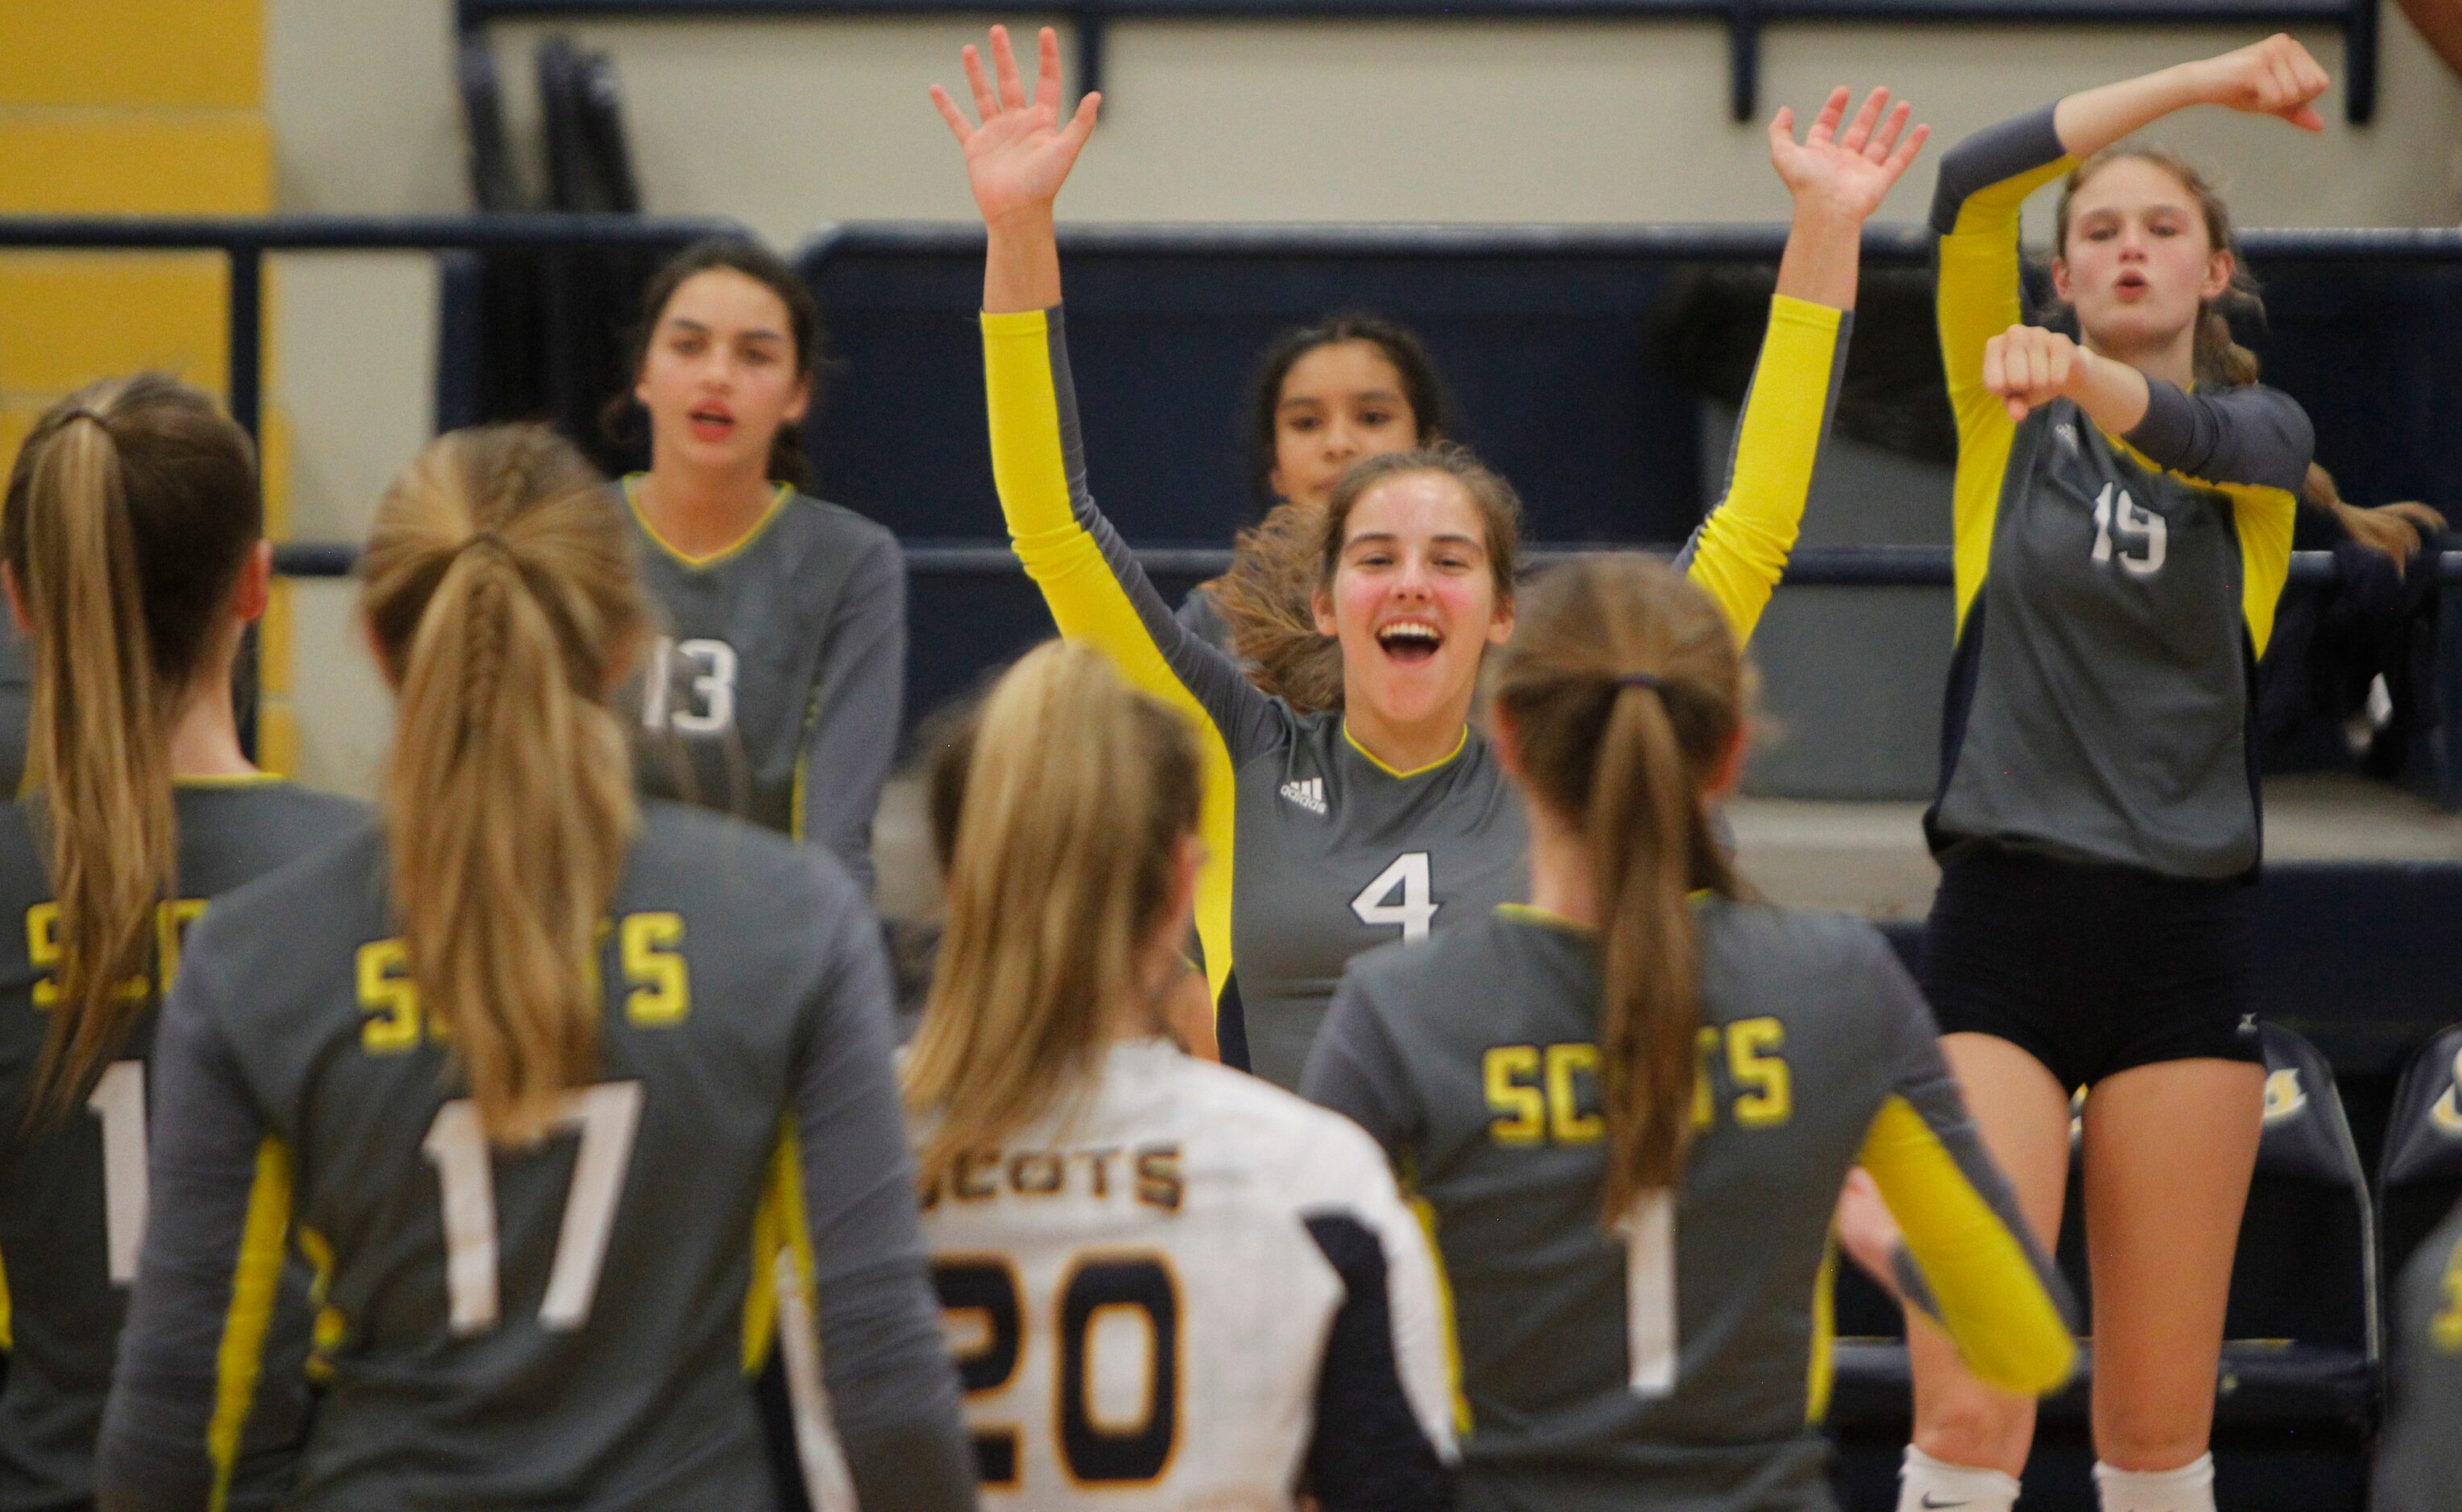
1016,161
2273,78
1837,178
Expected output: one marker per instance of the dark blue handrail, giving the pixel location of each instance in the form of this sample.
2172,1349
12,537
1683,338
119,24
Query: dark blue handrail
1745,20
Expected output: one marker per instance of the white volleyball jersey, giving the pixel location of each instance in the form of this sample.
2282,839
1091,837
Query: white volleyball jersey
1192,1289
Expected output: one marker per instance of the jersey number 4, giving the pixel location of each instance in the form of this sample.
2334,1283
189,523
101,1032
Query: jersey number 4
608,1116
1106,1295
1402,894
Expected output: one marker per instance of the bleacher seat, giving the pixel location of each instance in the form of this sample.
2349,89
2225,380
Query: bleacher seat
589,164
494,184
2302,1334
2419,1177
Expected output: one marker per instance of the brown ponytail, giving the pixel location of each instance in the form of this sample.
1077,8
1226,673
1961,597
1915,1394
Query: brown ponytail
2219,358
502,593
130,510
1059,805
1621,692
1265,598
2392,530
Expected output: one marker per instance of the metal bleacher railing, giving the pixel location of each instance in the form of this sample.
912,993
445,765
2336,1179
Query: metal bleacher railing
1744,20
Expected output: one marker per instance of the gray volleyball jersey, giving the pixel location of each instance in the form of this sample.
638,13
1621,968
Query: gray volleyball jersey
774,689
2113,593
73,1189
1332,851
1682,1359
2419,1464
564,1325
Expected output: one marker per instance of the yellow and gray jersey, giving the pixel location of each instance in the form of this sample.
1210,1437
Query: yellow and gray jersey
1318,850
774,689
72,1186
568,1325
2114,592
2419,1462
1187,1288
1687,1351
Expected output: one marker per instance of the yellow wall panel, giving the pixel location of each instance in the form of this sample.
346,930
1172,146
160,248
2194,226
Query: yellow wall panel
67,318
135,163
201,53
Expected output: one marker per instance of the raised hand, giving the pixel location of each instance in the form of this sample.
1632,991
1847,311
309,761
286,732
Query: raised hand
1018,159
2273,78
2029,367
1848,173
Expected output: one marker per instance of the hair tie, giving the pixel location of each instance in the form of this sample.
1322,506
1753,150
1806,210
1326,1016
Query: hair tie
82,413
486,539
1648,681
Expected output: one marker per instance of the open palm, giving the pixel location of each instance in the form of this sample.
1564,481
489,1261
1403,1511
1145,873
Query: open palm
1850,172
1018,159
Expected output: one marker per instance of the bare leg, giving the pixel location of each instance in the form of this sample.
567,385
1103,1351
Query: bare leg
2169,1149
2022,1114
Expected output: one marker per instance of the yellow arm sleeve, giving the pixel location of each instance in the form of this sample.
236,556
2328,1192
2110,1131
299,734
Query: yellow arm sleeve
1978,299
1991,1300
1030,468
1744,544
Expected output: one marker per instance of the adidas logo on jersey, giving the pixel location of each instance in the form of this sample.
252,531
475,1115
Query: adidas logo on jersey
1308,793
2067,433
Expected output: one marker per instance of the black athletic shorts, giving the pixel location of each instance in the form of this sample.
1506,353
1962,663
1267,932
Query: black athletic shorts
2091,968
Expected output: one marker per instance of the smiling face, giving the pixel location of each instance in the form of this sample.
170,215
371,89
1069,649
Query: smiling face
721,375
1339,403
2139,260
1413,599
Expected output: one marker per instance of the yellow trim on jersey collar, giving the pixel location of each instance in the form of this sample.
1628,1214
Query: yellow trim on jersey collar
633,501
229,779
1422,770
1544,918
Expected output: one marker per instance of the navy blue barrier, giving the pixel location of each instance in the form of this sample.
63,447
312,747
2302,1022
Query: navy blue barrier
1554,339
1744,20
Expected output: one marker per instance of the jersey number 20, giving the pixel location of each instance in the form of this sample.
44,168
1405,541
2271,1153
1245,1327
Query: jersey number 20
608,1116
1096,1449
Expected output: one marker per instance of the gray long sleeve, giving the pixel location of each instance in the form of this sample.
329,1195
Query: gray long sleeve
2243,435
203,1168
892,1387
852,735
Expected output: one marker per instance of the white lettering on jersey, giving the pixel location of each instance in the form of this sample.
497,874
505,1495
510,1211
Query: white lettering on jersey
1414,911
1308,793
2114,511
118,1100
711,664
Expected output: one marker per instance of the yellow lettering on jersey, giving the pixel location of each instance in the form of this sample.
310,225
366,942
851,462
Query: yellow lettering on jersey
389,998
654,969
1705,1097
43,950
1566,1122
1522,1111
1765,1091
2447,1330
171,920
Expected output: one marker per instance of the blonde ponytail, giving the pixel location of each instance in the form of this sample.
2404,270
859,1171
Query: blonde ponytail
1072,792
502,592
1622,690
130,509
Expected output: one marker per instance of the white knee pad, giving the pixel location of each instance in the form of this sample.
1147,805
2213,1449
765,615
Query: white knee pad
2191,1488
1926,1484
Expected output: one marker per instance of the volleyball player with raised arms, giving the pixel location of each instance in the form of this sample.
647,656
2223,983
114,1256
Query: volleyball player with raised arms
1174,1285
1627,1106
135,561
515,1067
772,687
2124,510
1386,818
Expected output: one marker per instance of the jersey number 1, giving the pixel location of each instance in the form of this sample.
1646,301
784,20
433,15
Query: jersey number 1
608,1116
118,1100
1648,1233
